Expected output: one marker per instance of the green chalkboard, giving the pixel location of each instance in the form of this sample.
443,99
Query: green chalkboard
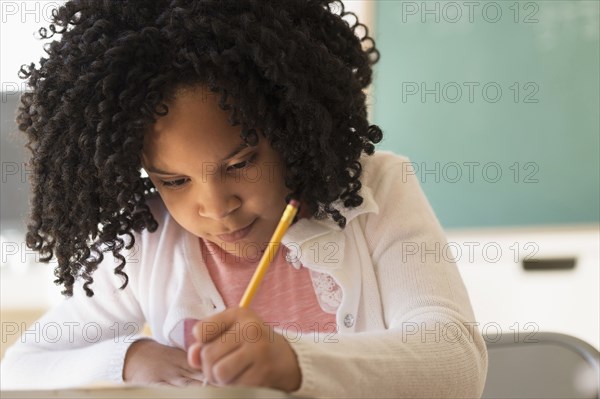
497,104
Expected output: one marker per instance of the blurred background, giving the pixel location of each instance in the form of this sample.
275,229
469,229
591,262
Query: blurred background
497,106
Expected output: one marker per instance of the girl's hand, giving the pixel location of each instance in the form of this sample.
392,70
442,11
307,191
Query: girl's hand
148,362
236,347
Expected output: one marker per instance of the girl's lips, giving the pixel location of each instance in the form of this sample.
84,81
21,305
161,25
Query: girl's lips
237,235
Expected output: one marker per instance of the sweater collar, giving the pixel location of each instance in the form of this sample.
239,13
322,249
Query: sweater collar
302,235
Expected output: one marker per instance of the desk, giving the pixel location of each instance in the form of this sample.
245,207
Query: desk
148,392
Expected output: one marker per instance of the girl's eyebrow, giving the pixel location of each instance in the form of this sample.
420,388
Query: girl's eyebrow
158,171
236,151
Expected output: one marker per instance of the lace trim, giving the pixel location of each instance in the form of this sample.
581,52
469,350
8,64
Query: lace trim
329,293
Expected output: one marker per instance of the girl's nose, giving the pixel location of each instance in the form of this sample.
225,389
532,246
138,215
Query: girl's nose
215,201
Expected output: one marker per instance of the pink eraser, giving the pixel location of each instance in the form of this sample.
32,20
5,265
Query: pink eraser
294,203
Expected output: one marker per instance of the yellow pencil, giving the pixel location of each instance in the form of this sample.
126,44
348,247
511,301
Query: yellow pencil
267,258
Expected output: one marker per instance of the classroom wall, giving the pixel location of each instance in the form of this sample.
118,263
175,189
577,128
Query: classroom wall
496,103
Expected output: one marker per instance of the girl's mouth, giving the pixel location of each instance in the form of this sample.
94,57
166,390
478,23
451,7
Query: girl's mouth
237,235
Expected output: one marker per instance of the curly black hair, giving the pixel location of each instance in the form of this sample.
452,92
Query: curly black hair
293,70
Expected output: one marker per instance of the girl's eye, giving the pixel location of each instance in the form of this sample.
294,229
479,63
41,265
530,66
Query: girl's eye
243,164
173,183
240,165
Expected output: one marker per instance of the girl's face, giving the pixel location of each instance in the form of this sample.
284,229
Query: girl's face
211,181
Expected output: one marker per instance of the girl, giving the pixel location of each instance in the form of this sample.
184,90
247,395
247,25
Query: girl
232,108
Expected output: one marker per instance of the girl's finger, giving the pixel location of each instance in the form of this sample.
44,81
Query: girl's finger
185,382
214,353
193,356
208,330
233,366
212,327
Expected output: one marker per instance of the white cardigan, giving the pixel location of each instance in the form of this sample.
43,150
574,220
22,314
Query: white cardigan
406,326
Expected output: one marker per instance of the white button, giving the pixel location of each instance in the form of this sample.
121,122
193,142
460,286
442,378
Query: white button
292,259
349,320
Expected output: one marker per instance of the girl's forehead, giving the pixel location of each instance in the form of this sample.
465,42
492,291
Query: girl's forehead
195,126
193,111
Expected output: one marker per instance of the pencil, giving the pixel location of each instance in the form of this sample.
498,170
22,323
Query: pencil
269,254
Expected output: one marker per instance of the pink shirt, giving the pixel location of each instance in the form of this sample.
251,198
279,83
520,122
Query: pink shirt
290,299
